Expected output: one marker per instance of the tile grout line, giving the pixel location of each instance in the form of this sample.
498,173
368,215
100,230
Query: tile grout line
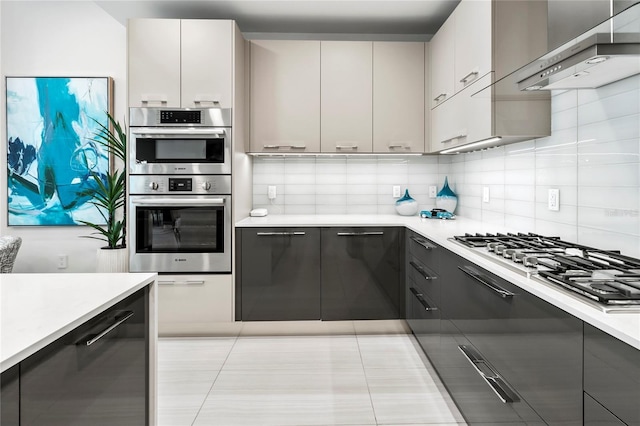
366,380
215,379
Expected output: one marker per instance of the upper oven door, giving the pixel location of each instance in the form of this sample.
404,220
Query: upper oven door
180,233
178,150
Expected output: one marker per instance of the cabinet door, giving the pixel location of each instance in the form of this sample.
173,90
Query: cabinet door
285,96
612,374
361,274
194,304
473,31
448,126
154,62
442,70
89,377
596,415
398,97
280,274
346,96
479,110
10,396
207,59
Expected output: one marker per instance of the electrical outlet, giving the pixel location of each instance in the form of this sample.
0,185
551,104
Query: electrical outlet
396,191
62,261
485,194
271,192
433,191
554,199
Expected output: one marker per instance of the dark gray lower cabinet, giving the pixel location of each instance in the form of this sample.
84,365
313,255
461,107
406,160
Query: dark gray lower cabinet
361,274
89,377
611,377
10,396
527,352
279,274
596,415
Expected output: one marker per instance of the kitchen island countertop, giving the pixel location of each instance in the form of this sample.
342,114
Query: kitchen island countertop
623,326
37,309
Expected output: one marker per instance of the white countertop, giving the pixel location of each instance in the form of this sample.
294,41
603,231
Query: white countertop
37,309
624,326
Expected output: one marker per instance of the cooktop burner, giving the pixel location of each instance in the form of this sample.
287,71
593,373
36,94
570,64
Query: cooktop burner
604,276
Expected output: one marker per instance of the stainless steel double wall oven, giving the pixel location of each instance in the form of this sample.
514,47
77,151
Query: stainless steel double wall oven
180,190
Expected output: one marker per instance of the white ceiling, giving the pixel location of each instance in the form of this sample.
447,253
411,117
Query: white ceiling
391,19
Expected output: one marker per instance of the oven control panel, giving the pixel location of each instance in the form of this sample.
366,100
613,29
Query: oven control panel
185,184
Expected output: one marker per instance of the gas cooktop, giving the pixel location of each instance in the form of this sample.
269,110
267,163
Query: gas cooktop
605,277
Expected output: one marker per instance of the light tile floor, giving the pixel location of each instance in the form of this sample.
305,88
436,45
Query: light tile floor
355,379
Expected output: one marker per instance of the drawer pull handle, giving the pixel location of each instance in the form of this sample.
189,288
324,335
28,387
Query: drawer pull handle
352,147
423,302
94,338
359,234
423,243
441,95
421,270
505,294
493,379
273,234
466,78
174,282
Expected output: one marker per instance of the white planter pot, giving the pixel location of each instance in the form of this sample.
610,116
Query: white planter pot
112,260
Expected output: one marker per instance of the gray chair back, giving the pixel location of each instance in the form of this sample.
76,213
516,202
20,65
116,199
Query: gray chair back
9,247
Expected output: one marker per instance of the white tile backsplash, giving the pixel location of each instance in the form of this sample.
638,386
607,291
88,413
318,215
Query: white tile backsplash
592,156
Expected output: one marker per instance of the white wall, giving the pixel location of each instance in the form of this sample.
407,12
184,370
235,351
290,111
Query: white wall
592,157
57,38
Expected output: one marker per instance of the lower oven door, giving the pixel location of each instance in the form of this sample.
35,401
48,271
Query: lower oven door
180,233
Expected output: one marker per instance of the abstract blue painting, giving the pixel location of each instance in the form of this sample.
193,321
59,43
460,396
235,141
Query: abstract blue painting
51,122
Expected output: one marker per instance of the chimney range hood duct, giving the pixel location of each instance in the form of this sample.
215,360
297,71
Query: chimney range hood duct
608,52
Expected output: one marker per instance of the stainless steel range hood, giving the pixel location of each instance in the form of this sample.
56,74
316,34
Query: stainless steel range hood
608,52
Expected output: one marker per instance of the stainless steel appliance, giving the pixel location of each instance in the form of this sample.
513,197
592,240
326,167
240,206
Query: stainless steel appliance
180,223
179,141
605,278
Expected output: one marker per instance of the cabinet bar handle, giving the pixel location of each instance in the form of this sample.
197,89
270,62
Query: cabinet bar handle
441,95
493,379
271,234
358,234
346,146
284,146
473,74
423,243
505,294
398,146
174,282
423,302
95,338
421,270
460,136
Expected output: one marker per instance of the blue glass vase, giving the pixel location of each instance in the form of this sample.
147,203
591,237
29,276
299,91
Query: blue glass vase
446,198
406,206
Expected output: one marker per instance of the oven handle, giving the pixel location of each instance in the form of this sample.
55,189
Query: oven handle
185,131
177,201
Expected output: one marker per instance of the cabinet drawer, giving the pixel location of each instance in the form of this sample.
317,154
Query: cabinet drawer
96,374
612,374
423,277
424,250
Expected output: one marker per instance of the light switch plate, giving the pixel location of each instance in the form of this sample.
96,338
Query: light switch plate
433,191
485,194
396,191
554,199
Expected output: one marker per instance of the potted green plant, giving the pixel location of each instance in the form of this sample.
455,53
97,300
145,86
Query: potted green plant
109,197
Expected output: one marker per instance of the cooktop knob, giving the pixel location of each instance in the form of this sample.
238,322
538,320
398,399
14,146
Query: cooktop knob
206,185
153,185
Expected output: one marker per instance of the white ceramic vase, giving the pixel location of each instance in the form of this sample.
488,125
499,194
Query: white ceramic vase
112,260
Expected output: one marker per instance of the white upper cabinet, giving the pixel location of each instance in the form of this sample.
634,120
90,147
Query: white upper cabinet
398,97
346,87
472,42
207,59
154,62
285,96
180,63
441,70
